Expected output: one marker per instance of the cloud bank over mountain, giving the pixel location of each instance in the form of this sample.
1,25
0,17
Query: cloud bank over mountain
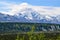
12,8
24,12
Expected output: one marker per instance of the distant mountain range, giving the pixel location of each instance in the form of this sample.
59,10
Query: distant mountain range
28,14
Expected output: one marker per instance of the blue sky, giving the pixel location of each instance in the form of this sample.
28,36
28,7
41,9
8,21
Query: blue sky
36,2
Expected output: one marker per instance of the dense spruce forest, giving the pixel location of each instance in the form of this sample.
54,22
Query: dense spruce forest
29,31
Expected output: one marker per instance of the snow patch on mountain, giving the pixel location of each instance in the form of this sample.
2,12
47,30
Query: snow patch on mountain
45,10
28,13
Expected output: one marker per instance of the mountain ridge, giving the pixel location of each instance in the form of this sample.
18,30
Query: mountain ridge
32,14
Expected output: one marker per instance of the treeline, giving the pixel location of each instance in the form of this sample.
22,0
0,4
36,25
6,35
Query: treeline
27,27
29,31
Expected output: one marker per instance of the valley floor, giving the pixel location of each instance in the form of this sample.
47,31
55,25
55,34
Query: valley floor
31,36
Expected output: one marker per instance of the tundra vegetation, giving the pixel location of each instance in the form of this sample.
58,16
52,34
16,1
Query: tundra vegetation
29,31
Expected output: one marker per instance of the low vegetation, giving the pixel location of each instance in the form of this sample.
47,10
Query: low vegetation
29,31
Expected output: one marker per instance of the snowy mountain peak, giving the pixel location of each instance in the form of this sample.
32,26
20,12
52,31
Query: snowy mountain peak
24,4
45,10
28,13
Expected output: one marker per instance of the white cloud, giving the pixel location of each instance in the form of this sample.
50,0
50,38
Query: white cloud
7,7
53,12
15,8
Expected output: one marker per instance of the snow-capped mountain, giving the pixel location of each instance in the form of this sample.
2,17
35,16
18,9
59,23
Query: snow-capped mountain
34,14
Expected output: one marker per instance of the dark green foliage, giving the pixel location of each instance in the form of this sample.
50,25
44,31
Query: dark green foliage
26,27
38,36
29,31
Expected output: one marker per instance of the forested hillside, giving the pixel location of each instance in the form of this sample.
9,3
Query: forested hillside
29,31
